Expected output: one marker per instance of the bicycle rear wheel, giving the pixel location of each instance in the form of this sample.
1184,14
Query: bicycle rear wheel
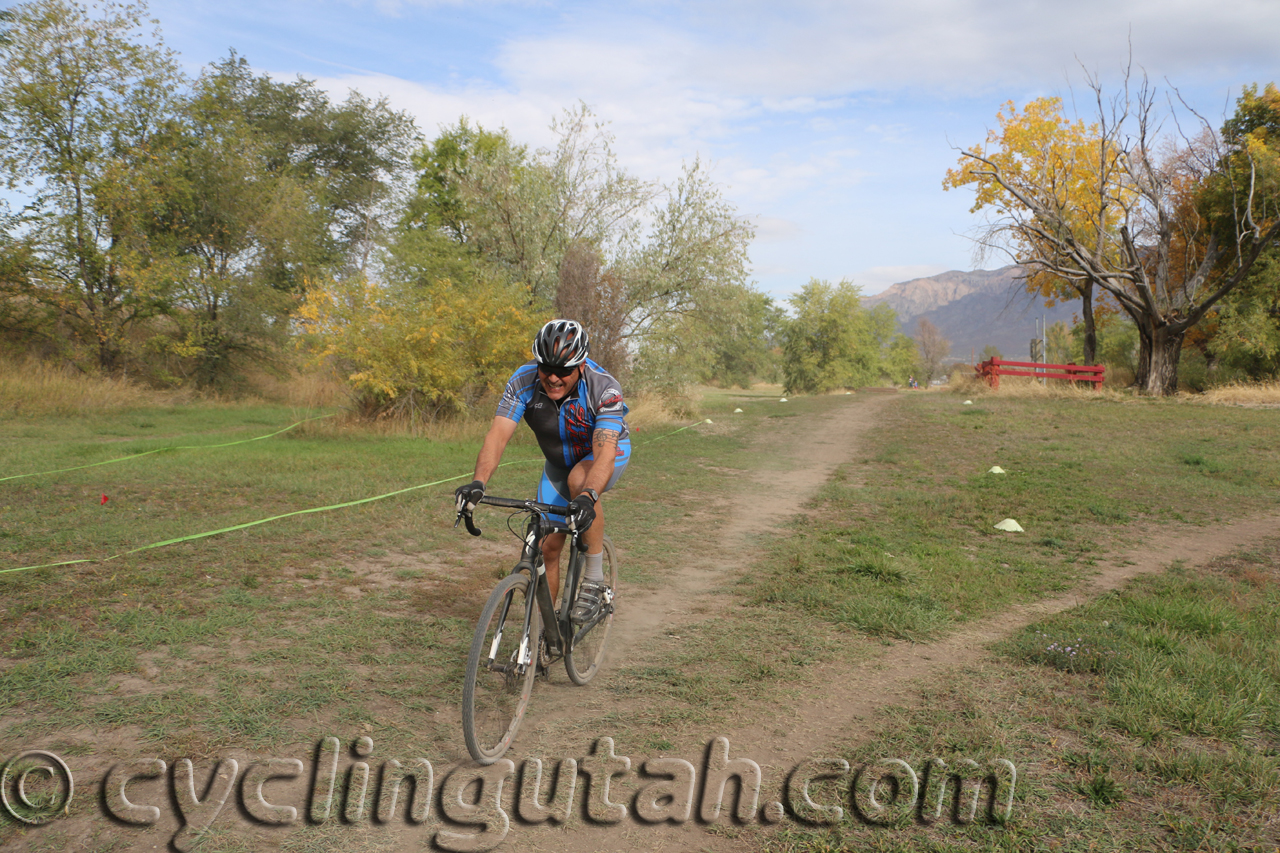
585,652
500,670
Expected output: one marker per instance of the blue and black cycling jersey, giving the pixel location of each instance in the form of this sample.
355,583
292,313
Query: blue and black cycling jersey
564,430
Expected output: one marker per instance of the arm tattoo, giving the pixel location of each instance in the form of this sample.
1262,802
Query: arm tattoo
602,438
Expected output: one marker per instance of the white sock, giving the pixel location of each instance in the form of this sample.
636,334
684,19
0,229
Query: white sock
595,568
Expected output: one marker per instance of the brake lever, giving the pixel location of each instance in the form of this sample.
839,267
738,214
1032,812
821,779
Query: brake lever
471,525
574,532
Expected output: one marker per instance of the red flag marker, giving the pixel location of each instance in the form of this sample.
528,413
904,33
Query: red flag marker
104,500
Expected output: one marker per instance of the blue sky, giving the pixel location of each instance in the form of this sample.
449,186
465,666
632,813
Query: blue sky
830,124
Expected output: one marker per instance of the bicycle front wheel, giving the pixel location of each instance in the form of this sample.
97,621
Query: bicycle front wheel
585,652
500,670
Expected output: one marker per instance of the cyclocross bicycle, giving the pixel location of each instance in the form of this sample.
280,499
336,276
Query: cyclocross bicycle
520,633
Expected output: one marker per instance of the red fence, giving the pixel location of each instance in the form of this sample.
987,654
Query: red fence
992,369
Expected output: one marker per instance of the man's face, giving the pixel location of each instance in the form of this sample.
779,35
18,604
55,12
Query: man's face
558,382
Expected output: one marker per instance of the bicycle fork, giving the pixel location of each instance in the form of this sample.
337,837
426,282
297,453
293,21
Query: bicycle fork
521,657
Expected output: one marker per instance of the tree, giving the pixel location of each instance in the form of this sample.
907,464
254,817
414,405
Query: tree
1172,228
83,97
352,160
216,224
731,338
521,211
901,359
1117,343
21,319
833,341
933,348
1065,165
419,350
1243,332
597,298
742,329
695,252
1058,343
569,225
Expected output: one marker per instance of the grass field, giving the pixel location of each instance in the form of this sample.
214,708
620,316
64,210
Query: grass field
358,619
1148,720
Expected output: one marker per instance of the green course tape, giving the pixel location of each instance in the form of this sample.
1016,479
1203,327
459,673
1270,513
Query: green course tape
164,450
209,533
248,524
48,565
673,432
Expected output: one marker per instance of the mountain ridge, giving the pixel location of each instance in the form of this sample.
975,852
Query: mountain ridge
975,309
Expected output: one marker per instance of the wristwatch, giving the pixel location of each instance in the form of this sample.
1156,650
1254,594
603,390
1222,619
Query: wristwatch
595,496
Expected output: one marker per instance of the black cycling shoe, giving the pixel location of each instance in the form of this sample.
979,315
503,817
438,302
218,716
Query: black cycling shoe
592,598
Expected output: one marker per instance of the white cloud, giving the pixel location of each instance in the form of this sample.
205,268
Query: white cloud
526,116
828,120
705,62
772,229
816,47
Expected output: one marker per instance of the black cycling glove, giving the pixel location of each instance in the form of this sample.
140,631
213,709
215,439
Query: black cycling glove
466,497
582,510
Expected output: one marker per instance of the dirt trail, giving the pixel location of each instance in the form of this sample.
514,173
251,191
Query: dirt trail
800,455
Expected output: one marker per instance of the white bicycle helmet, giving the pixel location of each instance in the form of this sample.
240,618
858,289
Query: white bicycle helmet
561,343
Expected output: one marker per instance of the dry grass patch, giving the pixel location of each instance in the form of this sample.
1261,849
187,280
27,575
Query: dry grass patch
1244,394
1024,387
318,389
32,388
647,413
1259,394
653,411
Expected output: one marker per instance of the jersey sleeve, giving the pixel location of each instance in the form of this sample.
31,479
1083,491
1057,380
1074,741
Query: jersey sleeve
516,395
611,410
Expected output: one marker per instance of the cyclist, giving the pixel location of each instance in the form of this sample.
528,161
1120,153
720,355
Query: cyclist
575,410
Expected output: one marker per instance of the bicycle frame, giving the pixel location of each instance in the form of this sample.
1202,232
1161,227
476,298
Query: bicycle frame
503,666
539,525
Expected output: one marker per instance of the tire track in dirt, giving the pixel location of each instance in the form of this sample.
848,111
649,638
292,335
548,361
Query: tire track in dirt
852,694
803,453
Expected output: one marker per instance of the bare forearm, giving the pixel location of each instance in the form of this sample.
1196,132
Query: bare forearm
495,442
604,447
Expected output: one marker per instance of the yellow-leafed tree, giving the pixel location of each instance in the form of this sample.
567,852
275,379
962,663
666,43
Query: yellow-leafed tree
1071,170
1167,226
421,350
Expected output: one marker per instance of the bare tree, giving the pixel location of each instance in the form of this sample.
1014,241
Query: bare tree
596,299
933,348
1181,221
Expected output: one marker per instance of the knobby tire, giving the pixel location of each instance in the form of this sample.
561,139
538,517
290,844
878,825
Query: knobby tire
494,694
583,658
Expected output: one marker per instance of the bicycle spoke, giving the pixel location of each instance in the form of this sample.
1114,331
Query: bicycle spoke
500,671
583,659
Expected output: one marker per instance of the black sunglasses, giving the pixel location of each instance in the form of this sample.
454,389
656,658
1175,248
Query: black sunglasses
558,372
